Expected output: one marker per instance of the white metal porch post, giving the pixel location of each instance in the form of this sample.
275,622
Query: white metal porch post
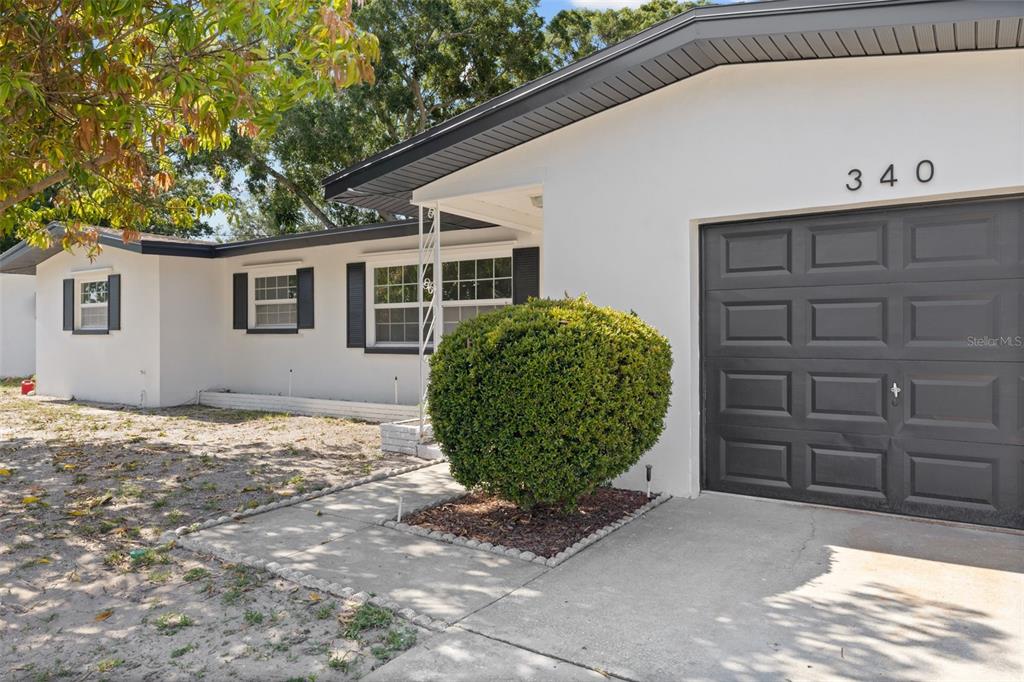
430,320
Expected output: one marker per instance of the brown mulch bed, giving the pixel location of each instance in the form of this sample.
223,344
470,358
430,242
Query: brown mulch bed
543,531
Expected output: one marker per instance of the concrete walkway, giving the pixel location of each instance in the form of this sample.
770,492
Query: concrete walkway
715,588
337,538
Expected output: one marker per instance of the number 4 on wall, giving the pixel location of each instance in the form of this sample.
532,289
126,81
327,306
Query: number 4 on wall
924,172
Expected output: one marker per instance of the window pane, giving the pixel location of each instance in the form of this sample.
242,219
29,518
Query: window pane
502,267
94,292
503,288
275,314
409,274
467,269
409,293
485,289
450,291
277,287
94,317
467,291
410,333
380,294
383,315
380,276
383,332
395,275
485,268
450,271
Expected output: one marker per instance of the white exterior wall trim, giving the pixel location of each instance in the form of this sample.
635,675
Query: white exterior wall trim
317,407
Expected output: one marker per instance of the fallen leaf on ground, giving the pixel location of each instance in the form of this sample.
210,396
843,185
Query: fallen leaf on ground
29,499
103,615
314,597
5,472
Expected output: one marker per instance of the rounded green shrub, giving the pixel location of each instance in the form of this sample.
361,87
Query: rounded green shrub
542,402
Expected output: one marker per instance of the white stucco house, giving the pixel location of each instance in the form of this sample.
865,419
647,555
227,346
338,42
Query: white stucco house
818,203
17,326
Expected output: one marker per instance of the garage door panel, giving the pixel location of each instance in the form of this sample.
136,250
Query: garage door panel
823,467
976,320
978,240
966,401
825,395
943,479
873,359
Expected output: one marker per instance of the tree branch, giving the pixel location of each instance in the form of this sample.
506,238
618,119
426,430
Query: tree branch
51,180
306,200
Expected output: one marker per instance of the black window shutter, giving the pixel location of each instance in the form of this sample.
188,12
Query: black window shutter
69,305
304,315
113,302
240,301
525,274
356,306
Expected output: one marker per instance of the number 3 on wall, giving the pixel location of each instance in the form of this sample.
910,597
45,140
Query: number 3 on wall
925,171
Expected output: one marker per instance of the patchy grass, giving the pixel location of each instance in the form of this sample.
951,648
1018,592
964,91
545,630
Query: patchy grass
366,617
86,489
171,623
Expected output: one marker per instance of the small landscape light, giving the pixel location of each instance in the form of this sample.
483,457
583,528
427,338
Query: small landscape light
649,467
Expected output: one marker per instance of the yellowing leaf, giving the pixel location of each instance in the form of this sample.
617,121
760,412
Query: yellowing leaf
43,560
5,472
29,499
314,597
78,512
70,467
103,615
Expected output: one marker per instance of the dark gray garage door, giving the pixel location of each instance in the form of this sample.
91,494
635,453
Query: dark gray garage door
870,359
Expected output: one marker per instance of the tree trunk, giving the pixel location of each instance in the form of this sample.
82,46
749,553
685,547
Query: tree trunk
306,200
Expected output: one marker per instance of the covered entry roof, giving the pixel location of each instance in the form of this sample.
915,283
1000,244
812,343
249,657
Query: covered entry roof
671,51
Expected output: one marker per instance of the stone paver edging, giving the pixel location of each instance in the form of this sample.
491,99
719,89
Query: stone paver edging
501,550
181,536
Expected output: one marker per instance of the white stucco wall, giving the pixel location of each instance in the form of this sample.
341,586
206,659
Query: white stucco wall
192,313
17,325
321,365
177,338
624,191
122,366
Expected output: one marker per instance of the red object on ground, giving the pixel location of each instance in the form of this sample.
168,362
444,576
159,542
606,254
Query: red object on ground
27,386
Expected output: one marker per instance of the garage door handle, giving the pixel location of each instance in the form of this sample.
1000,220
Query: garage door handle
895,390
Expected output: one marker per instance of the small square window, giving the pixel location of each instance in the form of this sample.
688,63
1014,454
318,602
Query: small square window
503,288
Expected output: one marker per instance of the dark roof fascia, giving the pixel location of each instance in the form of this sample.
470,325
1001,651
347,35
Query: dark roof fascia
344,235
702,23
29,256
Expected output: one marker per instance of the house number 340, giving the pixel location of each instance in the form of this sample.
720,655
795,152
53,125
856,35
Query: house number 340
924,172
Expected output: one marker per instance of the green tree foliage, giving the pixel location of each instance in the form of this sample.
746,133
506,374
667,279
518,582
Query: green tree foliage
576,33
99,98
540,403
438,58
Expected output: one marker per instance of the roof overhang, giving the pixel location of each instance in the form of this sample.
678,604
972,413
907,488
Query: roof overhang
669,52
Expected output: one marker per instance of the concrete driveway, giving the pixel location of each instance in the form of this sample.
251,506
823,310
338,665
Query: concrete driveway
736,588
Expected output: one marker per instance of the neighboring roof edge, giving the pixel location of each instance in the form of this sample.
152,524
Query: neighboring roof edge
772,15
22,259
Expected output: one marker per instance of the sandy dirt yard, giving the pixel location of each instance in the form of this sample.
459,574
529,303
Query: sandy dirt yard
85,591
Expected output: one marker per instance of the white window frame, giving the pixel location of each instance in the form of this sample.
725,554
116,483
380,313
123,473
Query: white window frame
80,282
281,271
399,259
